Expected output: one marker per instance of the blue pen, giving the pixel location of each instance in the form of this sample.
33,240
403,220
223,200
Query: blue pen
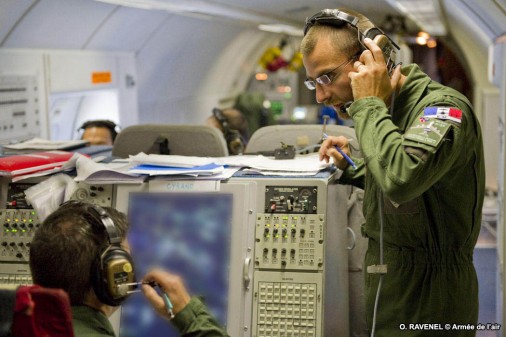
348,159
168,305
124,289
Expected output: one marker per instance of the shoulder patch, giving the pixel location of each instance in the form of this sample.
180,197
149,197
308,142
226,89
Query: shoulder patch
439,112
428,131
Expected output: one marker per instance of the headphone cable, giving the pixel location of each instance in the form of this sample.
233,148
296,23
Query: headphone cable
381,217
376,300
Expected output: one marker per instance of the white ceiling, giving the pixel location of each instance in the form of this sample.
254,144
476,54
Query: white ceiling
288,12
298,10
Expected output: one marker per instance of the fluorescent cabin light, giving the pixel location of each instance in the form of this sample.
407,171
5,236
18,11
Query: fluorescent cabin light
211,9
426,13
281,29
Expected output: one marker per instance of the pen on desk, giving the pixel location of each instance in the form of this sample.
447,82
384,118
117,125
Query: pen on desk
345,156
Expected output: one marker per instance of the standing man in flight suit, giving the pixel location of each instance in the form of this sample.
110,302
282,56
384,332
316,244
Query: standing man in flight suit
422,172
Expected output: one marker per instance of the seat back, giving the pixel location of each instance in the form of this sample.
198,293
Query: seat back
301,136
7,304
42,312
185,140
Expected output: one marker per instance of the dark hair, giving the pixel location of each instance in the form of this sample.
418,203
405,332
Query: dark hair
102,123
65,247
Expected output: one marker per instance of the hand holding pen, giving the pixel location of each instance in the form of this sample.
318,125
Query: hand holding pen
173,297
129,288
336,143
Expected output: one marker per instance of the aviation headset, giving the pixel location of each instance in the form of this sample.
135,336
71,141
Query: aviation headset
113,266
235,142
338,19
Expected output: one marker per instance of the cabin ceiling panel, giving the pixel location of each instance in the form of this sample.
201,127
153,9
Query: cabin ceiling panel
127,29
11,11
58,24
490,14
176,59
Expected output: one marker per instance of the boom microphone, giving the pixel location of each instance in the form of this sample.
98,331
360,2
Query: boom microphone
345,106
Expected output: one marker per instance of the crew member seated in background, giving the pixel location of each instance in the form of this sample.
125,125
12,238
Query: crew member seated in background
234,126
79,249
99,132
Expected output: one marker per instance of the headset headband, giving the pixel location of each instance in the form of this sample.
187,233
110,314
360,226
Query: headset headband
101,217
112,232
330,17
338,19
218,114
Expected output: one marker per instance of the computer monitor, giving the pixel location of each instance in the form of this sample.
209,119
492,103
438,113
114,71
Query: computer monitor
184,233
219,229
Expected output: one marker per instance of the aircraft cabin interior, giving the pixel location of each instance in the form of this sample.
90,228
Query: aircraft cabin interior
166,74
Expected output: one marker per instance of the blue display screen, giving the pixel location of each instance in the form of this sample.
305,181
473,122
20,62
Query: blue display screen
184,233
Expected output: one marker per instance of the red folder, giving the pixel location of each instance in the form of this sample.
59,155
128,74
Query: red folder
34,162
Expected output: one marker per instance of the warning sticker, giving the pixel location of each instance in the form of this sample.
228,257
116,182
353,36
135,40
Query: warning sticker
101,77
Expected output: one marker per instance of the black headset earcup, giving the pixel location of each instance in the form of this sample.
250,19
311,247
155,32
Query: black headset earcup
385,45
235,142
111,270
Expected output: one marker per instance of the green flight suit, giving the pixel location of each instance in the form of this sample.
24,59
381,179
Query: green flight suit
429,176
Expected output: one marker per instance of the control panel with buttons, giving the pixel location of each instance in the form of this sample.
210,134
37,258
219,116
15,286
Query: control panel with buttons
288,306
19,222
289,261
300,261
289,241
291,199
100,195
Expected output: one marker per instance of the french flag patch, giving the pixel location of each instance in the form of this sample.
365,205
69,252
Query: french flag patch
439,112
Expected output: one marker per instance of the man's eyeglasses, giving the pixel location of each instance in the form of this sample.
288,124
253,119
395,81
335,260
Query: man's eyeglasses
327,78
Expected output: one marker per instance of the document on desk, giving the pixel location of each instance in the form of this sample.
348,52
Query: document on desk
170,160
301,165
106,173
199,170
39,144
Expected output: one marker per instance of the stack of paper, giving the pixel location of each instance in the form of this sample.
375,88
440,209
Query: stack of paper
137,168
90,171
206,166
172,165
39,144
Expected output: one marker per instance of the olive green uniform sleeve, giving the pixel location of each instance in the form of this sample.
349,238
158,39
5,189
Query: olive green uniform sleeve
404,168
196,321
354,176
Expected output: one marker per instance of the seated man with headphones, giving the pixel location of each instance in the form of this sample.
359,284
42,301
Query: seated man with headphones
82,249
99,132
234,126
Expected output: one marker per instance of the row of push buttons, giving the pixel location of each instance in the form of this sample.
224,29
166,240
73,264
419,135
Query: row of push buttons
286,309
15,279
